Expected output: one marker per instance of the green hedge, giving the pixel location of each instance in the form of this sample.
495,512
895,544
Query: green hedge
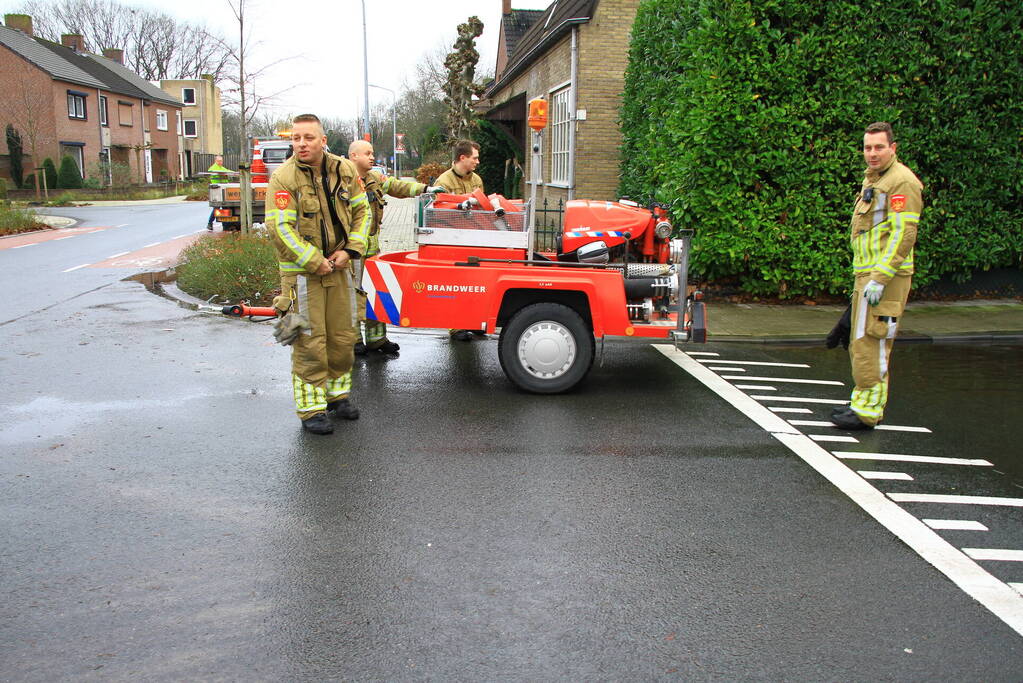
748,118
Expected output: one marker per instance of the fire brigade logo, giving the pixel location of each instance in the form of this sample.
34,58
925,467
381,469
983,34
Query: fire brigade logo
282,199
898,202
419,286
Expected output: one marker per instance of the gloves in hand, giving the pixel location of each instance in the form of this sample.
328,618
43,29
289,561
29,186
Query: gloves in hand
287,329
873,292
840,332
434,189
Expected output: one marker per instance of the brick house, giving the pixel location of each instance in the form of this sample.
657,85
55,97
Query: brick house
201,124
573,54
86,106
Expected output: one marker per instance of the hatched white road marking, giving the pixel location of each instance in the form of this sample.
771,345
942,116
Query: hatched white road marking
774,409
955,500
974,580
798,399
955,525
77,267
897,457
728,369
999,554
894,476
833,437
890,428
757,387
786,379
754,362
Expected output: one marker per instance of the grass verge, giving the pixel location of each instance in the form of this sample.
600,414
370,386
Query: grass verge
13,221
231,267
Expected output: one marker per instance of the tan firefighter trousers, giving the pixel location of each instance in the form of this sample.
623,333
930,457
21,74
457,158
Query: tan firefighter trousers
870,348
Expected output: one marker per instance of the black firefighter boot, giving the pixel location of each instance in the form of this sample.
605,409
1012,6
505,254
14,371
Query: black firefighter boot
849,420
359,348
318,424
344,409
387,347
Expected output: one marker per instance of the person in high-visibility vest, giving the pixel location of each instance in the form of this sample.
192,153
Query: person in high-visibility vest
216,168
884,226
462,179
318,217
360,153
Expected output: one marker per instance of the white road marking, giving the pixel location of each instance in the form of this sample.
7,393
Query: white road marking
896,457
797,399
703,353
1000,554
119,254
728,369
833,437
973,579
122,225
893,476
22,246
177,237
787,410
1018,587
152,245
890,428
786,379
955,525
77,267
757,387
62,238
754,362
955,500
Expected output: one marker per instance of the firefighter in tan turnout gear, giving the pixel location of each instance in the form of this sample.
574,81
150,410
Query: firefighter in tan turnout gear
884,227
461,178
319,218
360,153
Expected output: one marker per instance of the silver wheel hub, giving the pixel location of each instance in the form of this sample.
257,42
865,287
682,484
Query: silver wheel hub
546,349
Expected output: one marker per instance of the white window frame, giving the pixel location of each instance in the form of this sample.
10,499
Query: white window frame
185,99
561,138
77,153
177,117
76,107
161,119
103,120
195,125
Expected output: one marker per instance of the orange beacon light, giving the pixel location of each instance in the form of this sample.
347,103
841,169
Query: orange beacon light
538,114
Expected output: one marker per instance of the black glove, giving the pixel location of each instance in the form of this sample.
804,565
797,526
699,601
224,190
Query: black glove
840,332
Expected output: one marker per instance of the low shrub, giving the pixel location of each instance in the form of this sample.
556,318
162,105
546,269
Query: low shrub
230,266
13,221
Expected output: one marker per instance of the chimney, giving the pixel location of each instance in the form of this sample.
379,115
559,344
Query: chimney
21,22
75,41
506,7
114,54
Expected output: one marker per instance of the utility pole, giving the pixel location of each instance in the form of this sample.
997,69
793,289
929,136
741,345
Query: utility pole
365,80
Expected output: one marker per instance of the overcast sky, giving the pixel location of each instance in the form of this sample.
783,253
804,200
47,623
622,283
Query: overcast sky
324,40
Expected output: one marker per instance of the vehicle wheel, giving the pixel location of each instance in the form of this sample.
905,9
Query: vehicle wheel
546,348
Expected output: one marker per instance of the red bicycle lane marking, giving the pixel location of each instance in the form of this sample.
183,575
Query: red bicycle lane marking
25,239
163,255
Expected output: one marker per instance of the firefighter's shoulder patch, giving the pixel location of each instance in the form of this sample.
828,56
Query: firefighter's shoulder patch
898,202
282,198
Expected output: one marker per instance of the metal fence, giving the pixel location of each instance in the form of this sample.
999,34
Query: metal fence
200,162
549,221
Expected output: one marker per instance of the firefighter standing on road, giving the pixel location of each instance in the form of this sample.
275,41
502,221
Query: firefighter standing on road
217,170
319,218
462,179
360,153
884,227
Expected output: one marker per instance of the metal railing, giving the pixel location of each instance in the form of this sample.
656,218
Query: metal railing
549,221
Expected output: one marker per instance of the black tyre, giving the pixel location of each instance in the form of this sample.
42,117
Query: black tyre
546,348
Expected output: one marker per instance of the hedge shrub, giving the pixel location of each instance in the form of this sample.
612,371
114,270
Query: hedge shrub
69,177
748,118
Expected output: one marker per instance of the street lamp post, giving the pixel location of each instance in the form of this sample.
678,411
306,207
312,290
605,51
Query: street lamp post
394,126
365,73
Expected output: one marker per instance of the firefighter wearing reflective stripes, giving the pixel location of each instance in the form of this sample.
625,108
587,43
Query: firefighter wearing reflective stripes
377,185
319,218
883,233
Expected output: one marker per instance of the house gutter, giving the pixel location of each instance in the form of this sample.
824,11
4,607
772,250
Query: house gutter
572,108
513,71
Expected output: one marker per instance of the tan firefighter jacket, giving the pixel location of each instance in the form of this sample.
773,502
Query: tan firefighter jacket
459,184
299,217
884,223
378,184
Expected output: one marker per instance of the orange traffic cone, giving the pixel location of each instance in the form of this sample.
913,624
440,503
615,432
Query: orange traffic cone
259,174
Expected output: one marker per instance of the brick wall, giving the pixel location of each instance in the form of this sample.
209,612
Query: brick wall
165,142
27,89
76,130
125,123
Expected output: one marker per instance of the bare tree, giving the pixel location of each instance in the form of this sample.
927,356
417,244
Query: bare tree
156,45
29,106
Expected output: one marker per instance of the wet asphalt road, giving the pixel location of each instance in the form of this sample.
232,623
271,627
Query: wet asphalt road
165,518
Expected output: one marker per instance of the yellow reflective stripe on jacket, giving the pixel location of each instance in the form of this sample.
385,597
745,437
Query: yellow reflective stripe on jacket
285,225
361,232
290,267
875,249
